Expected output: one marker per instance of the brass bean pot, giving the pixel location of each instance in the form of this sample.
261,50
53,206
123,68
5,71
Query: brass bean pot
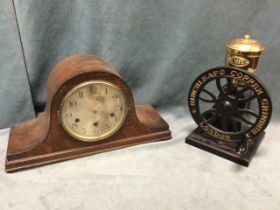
244,53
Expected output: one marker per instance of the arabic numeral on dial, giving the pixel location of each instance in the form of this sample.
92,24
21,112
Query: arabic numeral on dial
72,103
84,131
119,108
81,94
107,126
69,115
115,96
92,89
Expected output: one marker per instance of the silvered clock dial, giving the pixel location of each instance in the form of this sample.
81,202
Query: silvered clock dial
93,110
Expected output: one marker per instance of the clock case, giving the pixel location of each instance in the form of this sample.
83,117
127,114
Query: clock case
43,140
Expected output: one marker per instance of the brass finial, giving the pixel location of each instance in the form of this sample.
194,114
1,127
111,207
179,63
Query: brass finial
247,36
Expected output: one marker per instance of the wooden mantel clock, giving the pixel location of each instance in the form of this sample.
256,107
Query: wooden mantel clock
89,110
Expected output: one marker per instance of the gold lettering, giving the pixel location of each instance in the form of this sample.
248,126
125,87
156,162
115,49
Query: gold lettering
204,78
213,132
215,73
239,75
233,73
246,78
264,117
221,72
265,102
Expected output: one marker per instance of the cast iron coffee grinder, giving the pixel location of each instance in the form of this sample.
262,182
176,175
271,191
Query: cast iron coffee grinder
230,105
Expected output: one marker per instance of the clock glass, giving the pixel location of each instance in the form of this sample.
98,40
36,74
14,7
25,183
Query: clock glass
93,110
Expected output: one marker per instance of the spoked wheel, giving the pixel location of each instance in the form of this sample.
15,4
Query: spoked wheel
229,104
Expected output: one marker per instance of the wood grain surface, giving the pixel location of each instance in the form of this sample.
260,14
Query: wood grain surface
43,140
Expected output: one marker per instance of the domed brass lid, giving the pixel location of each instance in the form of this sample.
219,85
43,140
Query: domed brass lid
246,44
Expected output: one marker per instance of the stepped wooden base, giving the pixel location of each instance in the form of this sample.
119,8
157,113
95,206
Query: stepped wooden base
150,128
